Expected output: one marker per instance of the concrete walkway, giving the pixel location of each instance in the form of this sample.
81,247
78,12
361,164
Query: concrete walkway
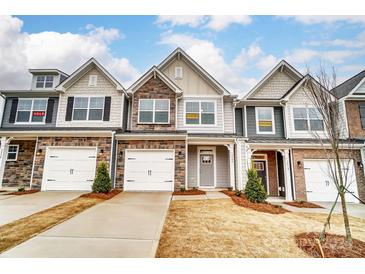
129,225
209,195
14,207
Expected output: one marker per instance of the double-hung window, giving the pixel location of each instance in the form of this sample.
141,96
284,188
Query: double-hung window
44,81
307,119
88,109
154,111
265,120
31,110
199,113
12,153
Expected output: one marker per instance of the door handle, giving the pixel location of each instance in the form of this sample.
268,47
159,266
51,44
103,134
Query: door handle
327,183
149,172
71,171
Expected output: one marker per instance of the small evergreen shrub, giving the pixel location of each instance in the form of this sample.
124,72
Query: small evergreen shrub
102,182
238,193
21,189
254,190
182,188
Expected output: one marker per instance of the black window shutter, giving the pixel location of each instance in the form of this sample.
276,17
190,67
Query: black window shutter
107,102
49,112
14,108
69,108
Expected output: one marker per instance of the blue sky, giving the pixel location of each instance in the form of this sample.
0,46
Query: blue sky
237,50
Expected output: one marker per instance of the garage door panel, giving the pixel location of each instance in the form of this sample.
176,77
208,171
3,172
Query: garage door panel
149,170
319,183
70,168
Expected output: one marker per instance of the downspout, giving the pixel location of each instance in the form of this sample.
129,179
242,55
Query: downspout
283,105
112,165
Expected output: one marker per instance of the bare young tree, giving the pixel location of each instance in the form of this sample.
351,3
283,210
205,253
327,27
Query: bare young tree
317,90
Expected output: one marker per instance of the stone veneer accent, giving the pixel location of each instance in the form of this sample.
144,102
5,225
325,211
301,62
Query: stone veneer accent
103,143
178,145
272,172
154,89
18,173
302,154
353,119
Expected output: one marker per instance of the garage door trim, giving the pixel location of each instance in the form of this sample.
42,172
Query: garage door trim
126,151
48,148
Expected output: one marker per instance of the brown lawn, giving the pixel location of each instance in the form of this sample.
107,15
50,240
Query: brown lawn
219,228
23,229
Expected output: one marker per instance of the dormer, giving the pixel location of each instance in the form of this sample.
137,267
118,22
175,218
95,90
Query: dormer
46,79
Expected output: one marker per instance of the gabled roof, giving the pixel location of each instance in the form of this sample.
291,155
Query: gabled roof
298,84
154,72
52,71
279,66
349,86
179,53
81,71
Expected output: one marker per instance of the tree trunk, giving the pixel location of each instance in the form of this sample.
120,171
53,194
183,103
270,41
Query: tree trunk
341,192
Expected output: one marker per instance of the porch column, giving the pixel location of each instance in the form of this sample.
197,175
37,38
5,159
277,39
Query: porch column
231,165
287,177
4,147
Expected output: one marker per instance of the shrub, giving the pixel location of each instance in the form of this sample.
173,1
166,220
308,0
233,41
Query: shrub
254,190
21,189
102,182
182,188
238,193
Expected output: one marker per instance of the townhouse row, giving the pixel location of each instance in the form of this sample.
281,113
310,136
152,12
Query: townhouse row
176,127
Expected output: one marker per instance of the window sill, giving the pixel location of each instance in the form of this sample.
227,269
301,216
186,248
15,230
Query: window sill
165,124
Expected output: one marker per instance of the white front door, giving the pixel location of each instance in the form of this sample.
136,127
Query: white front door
149,170
319,183
69,168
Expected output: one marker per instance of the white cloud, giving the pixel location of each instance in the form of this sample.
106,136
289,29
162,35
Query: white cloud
211,59
356,42
180,20
20,51
220,22
326,19
213,22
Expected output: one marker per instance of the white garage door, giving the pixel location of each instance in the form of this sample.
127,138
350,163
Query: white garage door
70,168
319,183
147,170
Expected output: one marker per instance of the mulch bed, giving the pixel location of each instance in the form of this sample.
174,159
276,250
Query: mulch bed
189,192
303,204
262,207
25,192
103,196
334,246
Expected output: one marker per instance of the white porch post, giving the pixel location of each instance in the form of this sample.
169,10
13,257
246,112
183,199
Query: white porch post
287,177
3,155
231,165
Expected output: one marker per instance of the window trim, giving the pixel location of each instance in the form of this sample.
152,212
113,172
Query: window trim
200,124
360,106
88,109
93,76
16,153
306,107
31,111
176,76
153,112
45,81
272,132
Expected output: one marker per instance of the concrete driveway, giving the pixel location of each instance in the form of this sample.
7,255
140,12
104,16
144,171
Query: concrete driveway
129,225
14,207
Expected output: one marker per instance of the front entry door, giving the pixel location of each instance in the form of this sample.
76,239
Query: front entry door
206,170
260,167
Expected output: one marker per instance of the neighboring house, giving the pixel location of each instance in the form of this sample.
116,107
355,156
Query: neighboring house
281,123
54,134
175,128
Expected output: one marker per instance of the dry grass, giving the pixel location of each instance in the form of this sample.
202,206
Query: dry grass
23,229
219,228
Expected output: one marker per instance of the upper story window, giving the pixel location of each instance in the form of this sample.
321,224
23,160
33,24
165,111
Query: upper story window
93,80
88,109
307,119
200,113
178,72
154,111
265,123
31,110
12,153
44,81
362,115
